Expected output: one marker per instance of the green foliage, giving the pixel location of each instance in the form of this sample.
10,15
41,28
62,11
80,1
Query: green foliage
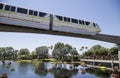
97,50
59,45
8,53
33,53
100,51
103,51
24,51
114,50
73,51
63,51
88,53
24,54
42,52
96,47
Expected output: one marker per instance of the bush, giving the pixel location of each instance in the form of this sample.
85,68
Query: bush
46,60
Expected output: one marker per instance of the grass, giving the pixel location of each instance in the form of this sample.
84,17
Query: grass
51,60
24,60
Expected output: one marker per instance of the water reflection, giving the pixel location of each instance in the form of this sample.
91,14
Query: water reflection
25,68
58,70
48,70
41,69
63,72
98,72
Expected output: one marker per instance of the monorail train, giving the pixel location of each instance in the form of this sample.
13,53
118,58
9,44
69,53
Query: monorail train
31,18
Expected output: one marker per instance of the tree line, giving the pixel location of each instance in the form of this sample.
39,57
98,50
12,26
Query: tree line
100,52
60,51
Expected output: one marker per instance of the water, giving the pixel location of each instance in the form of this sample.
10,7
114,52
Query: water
48,70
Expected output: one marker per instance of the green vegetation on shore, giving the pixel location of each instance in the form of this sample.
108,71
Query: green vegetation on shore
61,52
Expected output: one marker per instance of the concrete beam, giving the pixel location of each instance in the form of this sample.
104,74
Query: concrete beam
101,37
105,61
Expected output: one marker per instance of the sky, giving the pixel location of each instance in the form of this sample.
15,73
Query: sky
106,13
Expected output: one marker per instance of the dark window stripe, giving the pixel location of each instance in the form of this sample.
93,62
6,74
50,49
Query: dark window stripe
7,7
59,18
42,14
22,10
1,6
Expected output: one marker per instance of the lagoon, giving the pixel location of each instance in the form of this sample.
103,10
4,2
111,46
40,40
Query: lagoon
48,70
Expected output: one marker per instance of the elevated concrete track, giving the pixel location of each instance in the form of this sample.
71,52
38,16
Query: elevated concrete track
101,37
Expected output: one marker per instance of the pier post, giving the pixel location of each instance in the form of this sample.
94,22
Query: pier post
112,63
94,62
119,54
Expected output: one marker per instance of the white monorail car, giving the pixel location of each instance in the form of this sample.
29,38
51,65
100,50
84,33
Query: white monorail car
66,24
23,17
30,18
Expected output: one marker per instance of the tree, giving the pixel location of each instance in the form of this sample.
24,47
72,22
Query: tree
69,47
59,45
97,51
15,53
42,52
51,47
88,53
83,48
64,51
3,53
33,55
24,53
61,51
7,52
96,47
58,50
57,54
114,50
73,52
103,52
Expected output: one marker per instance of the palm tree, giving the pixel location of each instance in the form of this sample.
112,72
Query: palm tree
83,48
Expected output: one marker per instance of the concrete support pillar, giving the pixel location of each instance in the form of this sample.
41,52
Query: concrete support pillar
112,63
94,62
119,54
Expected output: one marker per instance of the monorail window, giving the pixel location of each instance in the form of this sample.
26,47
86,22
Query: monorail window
35,13
74,21
30,12
22,10
12,8
59,17
94,25
87,23
66,19
7,7
80,22
1,6
42,14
